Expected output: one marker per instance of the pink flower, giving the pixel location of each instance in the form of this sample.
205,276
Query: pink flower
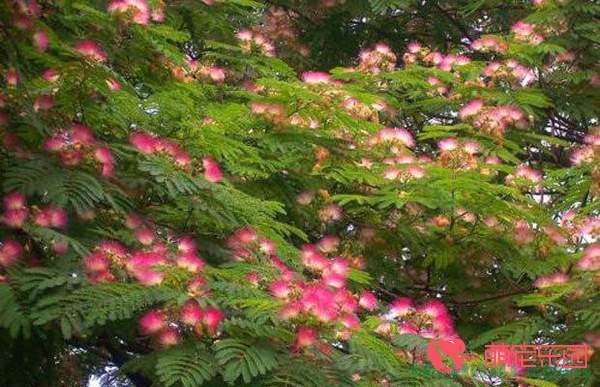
15,201
103,155
305,198
82,134
148,277
416,171
191,314
182,159
339,265
267,246
526,172
168,337
312,259
96,262
351,321
414,47
290,310
335,280
433,309
50,75
12,77
101,277
152,322
138,8
113,84
217,74
523,29
190,261
253,278
143,259
212,318
331,213
40,39
328,243
10,252
401,307
590,261
407,329
551,280
60,247
397,135
471,108
15,218
143,142
112,248
471,147
186,245
91,50
280,289
305,337
51,217
212,171
43,102
368,301
145,236
196,285
315,77
448,144
244,35
133,221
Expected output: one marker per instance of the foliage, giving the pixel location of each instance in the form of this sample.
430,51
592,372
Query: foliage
188,202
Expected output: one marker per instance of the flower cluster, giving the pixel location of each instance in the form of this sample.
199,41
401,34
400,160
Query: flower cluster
150,145
91,50
273,112
148,264
550,280
78,142
493,120
458,154
139,9
16,213
251,41
586,153
10,252
526,174
526,32
393,137
207,71
380,58
166,325
509,69
416,52
489,43
590,261
429,320
24,16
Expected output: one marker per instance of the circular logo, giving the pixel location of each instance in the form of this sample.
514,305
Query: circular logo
440,350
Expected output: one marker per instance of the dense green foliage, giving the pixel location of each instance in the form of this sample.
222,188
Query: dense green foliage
296,193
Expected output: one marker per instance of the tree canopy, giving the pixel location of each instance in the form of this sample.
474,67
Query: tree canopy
296,192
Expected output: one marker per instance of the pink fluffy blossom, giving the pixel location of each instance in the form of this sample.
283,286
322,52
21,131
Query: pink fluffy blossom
368,301
315,77
152,322
41,40
92,50
10,252
212,171
191,314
